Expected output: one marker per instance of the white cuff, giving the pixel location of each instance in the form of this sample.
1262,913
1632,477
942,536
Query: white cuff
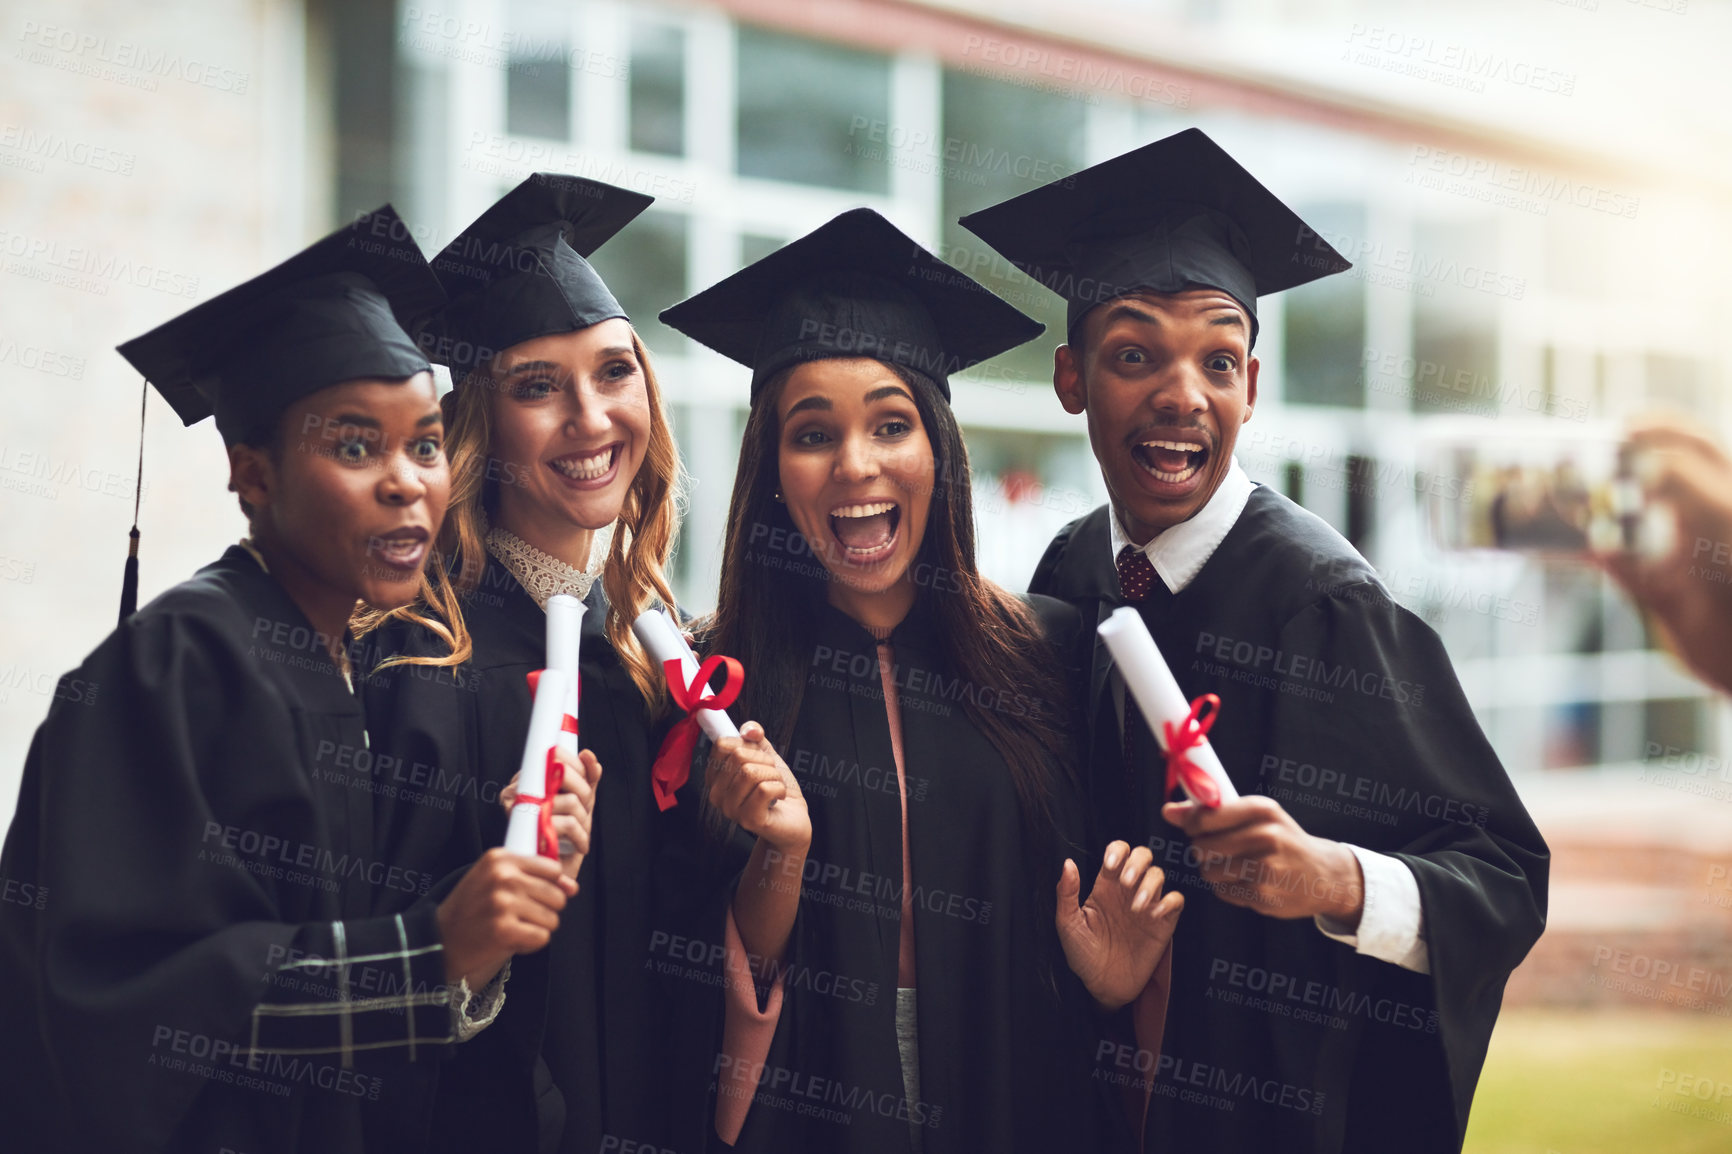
473,1012
1392,924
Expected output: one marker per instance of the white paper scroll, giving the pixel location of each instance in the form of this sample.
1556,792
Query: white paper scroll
545,718
564,637
664,642
564,628
1156,691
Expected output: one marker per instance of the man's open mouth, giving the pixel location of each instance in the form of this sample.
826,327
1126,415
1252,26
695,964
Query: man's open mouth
866,532
1171,462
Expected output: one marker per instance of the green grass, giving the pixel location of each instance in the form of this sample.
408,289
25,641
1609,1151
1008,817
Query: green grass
1591,1083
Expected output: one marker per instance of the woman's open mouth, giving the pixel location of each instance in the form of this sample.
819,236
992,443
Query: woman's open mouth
1173,465
590,470
401,549
866,532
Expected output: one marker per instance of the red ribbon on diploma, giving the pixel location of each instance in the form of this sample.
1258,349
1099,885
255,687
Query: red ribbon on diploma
673,764
1180,740
546,841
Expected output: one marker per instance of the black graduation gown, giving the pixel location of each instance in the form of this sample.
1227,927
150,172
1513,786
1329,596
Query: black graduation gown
1343,706
1005,1029
193,819
577,1052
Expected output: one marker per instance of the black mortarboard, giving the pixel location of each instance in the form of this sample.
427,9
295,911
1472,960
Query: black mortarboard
336,311
518,272
855,287
1174,214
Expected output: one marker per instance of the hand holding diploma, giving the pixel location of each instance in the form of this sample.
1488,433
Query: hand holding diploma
552,729
688,685
1255,855
506,904
753,787
573,806
1252,851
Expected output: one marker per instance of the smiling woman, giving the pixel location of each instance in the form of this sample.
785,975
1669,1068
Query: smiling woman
873,644
857,474
571,414
565,475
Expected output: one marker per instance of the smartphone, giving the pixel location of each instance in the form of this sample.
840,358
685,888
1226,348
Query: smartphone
1538,489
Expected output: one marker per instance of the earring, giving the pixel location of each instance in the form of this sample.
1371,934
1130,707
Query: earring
778,495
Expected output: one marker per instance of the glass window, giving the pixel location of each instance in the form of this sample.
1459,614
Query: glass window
1001,140
537,80
679,566
806,110
1576,255
754,247
1026,487
1572,733
645,266
1455,317
1674,724
658,88
1325,323
1575,609
1676,382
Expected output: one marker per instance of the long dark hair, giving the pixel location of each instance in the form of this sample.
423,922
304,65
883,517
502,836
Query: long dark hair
772,587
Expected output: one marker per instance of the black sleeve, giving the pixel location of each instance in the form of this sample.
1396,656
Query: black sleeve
156,936
1382,708
346,987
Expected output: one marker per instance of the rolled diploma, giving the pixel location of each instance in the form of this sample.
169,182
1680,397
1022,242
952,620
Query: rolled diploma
564,627
544,718
564,633
1156,691
664,642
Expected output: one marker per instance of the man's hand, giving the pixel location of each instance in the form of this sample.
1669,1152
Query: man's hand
754,788
1115,939
1687,594
1257,856
573,807
506,904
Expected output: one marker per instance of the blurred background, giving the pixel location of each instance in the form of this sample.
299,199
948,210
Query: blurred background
1535,195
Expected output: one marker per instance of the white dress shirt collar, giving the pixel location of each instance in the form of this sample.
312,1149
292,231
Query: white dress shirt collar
1178,553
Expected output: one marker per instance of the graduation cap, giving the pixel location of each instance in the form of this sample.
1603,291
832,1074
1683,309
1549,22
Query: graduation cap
336,311
855,287
519,271
1179,213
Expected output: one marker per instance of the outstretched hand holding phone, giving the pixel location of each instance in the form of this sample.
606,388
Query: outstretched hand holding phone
1688,592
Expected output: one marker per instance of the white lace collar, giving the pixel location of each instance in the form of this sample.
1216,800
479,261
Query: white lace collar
541,574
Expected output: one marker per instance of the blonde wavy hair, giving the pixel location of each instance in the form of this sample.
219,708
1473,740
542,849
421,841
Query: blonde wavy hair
633,573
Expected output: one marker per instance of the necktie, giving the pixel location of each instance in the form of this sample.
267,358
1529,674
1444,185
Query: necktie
1137,577
1138,582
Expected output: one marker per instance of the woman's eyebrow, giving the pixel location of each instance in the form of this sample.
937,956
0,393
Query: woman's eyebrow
531,366
813,402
